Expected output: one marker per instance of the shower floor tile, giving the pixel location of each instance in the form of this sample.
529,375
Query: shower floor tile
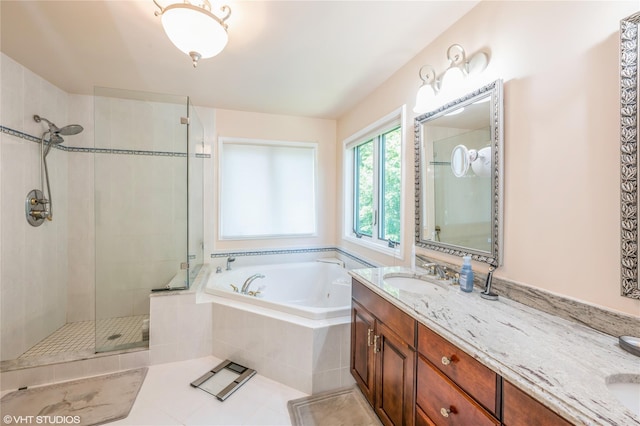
107,334
119,333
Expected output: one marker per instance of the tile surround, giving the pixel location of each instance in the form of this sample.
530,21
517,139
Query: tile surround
43,309
61,252
311,356
69,370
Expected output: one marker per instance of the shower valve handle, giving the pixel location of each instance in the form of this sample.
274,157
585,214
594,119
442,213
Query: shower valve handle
35,201
39,214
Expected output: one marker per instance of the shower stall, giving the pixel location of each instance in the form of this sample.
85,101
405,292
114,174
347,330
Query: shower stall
128,222
148,221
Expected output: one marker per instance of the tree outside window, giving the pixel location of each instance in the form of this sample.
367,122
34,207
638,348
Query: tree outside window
377,187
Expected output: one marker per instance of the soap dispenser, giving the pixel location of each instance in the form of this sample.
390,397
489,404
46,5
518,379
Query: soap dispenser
466,275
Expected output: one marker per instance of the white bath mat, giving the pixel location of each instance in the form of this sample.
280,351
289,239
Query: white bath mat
91,401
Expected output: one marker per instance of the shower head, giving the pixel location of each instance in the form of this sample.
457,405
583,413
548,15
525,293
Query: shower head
71,129
55,131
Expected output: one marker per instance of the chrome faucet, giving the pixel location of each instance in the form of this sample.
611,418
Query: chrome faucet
487,293
248,281
441,271
229,260
435,269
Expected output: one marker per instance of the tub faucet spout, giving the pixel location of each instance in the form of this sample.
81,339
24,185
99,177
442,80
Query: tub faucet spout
247,283
229,260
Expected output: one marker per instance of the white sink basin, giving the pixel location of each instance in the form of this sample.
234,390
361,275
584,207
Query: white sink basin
626,388
395,283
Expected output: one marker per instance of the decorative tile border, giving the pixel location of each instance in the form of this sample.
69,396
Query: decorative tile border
31,138
295,251
20,135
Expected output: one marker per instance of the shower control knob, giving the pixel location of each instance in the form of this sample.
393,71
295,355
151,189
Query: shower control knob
38,214
35,201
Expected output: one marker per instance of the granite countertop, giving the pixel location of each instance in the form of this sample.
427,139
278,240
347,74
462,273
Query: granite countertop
563,364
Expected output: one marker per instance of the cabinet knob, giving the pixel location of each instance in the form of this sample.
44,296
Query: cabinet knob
445,361
445,412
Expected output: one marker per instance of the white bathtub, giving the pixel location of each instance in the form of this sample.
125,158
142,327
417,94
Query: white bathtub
313,290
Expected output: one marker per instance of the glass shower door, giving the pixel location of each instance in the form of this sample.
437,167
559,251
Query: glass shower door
196,158
141,209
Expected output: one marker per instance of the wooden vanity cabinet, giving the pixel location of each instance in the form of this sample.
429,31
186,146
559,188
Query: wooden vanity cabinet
444,403
452,387
522,410
463,370
362,356
383,356
411,375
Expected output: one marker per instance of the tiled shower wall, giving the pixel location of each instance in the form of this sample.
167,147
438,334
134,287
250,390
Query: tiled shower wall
34,269
141,217
81,238
48,273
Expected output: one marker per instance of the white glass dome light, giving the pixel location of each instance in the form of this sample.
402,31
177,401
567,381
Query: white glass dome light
194,29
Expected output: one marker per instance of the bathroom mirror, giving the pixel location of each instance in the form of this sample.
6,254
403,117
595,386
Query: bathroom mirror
458,154
629,156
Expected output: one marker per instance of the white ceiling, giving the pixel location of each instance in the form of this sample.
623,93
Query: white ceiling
307,58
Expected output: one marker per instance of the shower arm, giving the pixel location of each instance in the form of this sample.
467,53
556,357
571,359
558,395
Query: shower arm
46,201
54,139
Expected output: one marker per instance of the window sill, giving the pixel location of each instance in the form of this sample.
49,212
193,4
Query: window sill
392,252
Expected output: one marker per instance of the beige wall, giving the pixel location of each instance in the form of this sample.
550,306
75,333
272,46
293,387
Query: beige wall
559,63
252,125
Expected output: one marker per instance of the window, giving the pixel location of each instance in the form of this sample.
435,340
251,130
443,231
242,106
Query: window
373,181
267,189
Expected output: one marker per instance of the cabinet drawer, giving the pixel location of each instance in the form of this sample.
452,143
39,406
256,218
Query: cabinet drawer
473,377
422,419
402,324
522,410
436,394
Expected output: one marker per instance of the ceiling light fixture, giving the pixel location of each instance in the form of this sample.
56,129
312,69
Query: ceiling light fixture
451,79
193,28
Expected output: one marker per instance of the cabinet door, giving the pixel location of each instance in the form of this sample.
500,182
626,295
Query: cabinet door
395,372
522,410
362,356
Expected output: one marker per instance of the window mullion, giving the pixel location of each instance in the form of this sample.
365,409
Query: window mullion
377,161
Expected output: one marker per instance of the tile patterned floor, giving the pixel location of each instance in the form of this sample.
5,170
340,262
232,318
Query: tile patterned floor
119,333
111,333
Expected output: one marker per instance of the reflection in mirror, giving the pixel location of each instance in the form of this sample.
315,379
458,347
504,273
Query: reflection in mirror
629,156
459,176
